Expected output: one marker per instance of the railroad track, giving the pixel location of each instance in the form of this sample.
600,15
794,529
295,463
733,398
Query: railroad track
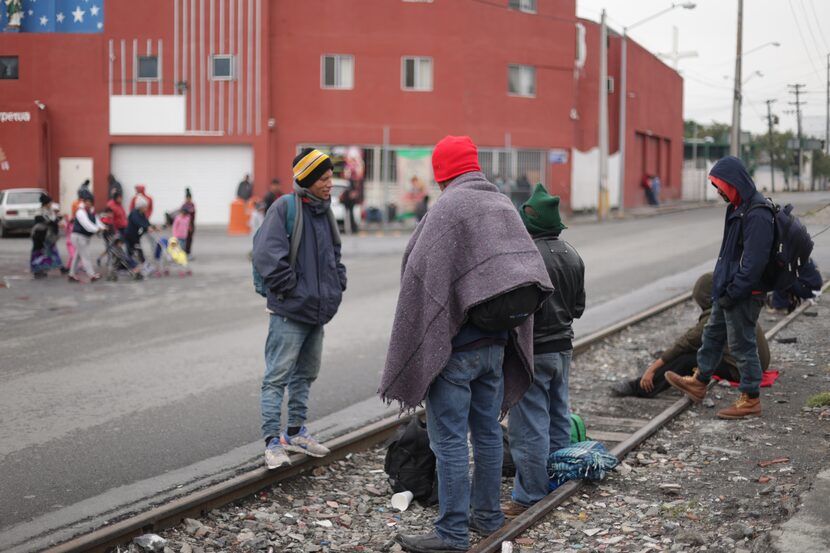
625,433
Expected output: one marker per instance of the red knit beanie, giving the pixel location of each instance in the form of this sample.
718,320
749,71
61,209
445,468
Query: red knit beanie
453,156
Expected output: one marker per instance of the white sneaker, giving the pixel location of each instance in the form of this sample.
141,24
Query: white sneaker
275,455
302,442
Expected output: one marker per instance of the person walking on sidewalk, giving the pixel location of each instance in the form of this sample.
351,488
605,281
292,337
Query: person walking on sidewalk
83,229
302,297
737,291
468,252
541,423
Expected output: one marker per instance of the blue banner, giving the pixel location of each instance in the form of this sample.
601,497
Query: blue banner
58,16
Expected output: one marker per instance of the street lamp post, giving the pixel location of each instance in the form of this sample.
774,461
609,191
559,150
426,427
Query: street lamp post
624,91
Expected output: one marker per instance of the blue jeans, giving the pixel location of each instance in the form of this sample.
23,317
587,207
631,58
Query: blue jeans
467,394
540,424
734,326
292,359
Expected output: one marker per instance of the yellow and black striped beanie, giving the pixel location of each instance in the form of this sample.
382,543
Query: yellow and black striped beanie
310,165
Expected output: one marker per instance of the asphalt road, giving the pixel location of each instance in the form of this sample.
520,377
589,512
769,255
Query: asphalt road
111,383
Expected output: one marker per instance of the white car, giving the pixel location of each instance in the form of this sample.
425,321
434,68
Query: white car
337,188
18,207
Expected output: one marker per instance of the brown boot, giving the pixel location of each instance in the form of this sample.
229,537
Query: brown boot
689,385
511,509
744,407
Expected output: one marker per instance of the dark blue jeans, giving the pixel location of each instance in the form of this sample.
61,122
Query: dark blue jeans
540,424
467,395
734,326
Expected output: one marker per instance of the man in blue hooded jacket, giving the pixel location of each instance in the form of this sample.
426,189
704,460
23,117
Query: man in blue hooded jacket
737,291
302,297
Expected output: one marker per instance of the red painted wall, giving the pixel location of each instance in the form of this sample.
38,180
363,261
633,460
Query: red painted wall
471,45
654,114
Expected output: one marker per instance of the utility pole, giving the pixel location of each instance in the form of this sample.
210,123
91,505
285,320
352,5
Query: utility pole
771,146
602,205
827,119
735,138
796,89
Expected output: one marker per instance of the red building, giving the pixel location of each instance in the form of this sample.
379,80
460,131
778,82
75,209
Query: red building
197,93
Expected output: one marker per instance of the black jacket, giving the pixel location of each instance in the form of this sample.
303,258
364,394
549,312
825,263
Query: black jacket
552,329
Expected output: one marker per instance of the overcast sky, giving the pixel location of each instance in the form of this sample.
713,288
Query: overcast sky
802,27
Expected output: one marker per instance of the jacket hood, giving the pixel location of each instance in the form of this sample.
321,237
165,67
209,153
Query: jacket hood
702,292
731,171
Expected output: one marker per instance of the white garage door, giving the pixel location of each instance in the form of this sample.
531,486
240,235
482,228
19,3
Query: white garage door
211,172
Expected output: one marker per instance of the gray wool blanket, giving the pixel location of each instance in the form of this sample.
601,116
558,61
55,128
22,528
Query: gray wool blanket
470,247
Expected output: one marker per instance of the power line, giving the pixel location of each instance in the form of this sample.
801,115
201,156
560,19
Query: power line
817,19
803,41
810,26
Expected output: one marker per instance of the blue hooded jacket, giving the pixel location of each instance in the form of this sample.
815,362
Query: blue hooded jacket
741,262
311,291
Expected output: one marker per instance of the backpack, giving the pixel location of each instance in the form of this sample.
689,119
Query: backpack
507,310
290,221
791,243
410,463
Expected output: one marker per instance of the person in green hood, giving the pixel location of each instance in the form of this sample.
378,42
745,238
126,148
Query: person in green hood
681,357
540,423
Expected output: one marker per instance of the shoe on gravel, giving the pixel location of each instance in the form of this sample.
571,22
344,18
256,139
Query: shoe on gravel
428,543
512,509
275,455
689,385
476,529
744,407
302,442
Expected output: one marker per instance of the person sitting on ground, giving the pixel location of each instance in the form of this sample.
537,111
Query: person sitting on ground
541,422
681,357
806,286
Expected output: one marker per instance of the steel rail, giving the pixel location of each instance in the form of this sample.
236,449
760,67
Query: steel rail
536,512
197,503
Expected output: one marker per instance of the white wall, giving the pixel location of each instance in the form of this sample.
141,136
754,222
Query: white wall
147,115
211,172
585,179
763,179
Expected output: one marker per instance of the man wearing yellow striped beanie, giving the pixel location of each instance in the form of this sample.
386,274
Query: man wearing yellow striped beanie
297,253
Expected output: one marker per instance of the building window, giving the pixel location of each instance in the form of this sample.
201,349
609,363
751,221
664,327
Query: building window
527,6
416,73
148,68
337,71
521,80
8,67
222,67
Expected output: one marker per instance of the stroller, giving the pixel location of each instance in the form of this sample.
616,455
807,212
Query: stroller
167,253
115,256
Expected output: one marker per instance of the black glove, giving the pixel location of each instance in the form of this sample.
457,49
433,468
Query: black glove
726,302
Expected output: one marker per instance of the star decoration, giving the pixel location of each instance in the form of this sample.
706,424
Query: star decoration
78,15
60,17
100,25
94,10
44,20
